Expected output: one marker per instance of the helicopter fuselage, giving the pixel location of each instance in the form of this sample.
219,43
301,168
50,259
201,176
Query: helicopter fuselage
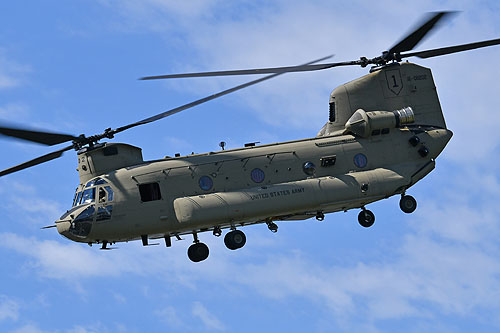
229,188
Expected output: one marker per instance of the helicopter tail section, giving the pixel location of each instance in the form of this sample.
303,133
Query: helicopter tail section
390,87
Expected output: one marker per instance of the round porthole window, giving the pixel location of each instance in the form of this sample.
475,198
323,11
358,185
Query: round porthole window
257,175
309,168
206,183
360,160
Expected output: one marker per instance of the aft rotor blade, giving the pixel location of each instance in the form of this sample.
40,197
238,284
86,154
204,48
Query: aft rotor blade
203,100
411,40
452,49
270,70
45,138
36,161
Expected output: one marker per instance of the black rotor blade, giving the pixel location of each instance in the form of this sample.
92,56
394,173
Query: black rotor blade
45,138
288,69
411,40
36,161
451,49
203,100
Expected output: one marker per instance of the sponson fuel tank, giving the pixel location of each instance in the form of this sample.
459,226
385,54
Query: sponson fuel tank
315,194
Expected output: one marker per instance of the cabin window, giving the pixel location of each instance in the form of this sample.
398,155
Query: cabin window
150,192
206,183
257,175
309,168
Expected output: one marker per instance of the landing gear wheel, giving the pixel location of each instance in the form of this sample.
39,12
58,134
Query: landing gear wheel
408,204
198,252
366,218
235,239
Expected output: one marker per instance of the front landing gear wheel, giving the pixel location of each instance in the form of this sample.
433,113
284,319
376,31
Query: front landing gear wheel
235,239
198,252
408,204
366,218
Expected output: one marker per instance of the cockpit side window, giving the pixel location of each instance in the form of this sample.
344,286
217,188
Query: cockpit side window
110,193
78,196
102,195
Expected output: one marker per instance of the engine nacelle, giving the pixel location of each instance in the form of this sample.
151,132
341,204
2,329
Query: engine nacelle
364,124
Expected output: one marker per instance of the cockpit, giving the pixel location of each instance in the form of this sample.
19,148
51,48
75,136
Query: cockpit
96,197
88,194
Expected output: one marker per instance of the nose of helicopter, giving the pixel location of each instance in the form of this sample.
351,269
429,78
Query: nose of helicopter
63,226
68,227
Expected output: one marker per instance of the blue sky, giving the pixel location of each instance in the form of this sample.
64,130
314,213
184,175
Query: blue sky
72,67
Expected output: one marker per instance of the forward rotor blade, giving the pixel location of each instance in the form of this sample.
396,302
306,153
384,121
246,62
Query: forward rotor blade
411,40
45,138
288,69
36,161
203,100
452,49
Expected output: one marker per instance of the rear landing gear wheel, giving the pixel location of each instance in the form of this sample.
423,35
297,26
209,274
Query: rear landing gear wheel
408,204
235,239
198,252
366,218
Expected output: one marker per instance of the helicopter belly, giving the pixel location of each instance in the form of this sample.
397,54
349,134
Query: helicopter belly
291,198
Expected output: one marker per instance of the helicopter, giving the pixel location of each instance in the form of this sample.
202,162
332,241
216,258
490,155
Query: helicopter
384,133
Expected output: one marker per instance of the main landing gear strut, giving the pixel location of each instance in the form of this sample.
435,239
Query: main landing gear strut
198,251
235,239
366,218
408,204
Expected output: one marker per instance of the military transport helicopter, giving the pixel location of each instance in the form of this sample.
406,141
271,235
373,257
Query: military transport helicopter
384,133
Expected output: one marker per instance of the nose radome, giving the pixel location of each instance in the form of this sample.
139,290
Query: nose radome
63,226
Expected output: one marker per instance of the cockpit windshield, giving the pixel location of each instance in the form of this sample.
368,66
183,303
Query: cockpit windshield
95,181
89,195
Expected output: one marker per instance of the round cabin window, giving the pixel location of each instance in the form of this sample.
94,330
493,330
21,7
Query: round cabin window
360,160
257,175
206,183
309,168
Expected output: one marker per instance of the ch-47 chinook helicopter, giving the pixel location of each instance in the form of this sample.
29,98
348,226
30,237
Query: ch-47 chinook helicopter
384,132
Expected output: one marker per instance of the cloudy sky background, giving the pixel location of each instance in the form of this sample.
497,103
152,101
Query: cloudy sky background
72,67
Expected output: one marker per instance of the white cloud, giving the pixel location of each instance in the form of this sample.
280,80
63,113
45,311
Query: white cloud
444,264
208,319
29,328
28,204
9,309
279,34
169,316
8,111
97,328
11,72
